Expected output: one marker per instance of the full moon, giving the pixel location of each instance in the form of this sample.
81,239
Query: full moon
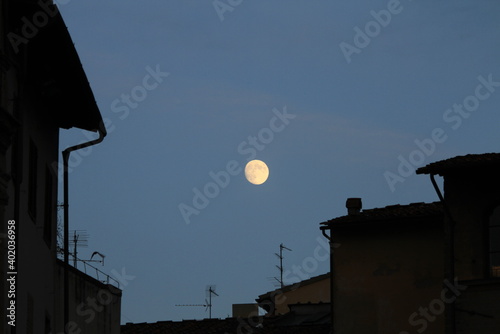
256,172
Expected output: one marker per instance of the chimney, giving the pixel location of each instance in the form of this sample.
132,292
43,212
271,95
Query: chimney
353,206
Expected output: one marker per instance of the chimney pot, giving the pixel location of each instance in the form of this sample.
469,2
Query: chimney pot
353,206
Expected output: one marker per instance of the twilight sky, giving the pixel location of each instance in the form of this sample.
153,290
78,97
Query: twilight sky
340,99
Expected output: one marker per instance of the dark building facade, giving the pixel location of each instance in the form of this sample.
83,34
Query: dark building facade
471,201
43,89
385,267
430,267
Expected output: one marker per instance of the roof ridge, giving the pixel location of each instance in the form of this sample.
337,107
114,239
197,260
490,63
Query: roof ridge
394,211
459,162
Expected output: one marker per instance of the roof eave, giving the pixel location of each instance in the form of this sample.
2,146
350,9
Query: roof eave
55,64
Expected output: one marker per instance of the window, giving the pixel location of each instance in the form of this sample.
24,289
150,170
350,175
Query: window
48,210
494,242
33,161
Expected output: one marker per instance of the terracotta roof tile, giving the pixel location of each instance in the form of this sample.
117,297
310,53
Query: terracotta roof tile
389,212
461,162
291,287
220,326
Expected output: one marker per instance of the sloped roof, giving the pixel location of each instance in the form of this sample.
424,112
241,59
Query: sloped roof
54,71
305,314
182,327
294,286
391,212
78,107
221,326
462,162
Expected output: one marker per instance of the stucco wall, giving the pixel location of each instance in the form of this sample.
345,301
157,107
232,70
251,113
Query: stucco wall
478,308
470,196
94,307
35,281
384,273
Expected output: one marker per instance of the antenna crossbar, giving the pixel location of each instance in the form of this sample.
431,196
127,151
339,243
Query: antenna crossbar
208,303
280,267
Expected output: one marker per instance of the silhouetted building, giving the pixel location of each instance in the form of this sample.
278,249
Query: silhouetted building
95,305
305,314
258,325
429,267
313,290
385,266
472,239
43,88
299,308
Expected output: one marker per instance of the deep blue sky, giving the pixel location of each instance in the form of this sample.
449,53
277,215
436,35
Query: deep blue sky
353,122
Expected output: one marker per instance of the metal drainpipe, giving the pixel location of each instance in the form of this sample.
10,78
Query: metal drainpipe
66,153
449,261
332,285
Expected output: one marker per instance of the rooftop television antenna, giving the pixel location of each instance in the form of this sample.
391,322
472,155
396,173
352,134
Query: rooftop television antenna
80,239
280,267
210,290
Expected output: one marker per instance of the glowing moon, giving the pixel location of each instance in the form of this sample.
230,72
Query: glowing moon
256,172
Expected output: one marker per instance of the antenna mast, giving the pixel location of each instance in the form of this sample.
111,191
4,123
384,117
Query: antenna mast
280,267
211,291
208,303
80,238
